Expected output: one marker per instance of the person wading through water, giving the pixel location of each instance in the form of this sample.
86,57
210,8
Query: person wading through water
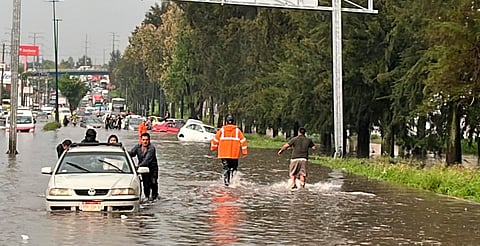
299,159
229,140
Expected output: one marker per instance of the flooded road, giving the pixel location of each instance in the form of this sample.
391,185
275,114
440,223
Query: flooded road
195,208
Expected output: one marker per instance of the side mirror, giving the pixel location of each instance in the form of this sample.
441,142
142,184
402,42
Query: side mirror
47,170
143,170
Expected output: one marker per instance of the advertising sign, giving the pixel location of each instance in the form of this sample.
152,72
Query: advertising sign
28,50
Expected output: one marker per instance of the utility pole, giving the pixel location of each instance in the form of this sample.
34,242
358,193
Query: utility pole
55,46
114,39
15,41
36,69
35,36
86,50
3,72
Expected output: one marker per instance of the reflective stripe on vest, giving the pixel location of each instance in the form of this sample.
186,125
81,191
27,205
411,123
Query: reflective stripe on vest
222,136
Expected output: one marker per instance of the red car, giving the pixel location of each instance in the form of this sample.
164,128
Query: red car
168,126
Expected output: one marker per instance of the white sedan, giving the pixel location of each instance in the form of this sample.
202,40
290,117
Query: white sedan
196,131
94,177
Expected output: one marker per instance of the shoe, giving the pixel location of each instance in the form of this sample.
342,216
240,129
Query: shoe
294,187
302,185
227,184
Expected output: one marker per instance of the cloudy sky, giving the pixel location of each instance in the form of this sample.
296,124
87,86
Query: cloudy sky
86,25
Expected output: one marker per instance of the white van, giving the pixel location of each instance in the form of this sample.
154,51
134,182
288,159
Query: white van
25,121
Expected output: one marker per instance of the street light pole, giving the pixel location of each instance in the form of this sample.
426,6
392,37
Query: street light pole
55,43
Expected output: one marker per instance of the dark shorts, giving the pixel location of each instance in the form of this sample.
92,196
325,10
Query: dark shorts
298,167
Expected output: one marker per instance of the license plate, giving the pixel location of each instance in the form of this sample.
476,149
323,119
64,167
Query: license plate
91,206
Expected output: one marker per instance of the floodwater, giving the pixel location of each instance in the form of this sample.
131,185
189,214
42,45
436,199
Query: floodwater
196,209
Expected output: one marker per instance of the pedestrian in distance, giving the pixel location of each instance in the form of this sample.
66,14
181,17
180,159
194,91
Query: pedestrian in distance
112,139
63,146
147,157
90,136
142,128
229,141
299,159
167,115
65,121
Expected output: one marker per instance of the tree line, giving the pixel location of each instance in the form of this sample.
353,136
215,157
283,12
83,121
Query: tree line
412,70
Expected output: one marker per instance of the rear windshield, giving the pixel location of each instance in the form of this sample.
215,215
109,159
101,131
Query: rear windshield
22,119
94,162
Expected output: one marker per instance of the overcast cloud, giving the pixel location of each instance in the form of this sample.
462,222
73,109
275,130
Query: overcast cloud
95,19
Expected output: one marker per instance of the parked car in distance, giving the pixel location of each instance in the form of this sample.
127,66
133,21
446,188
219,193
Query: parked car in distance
168,126
3,111
94,177
154,120
41,115
196,131
25,121
2,123
91,122
47,110
134,121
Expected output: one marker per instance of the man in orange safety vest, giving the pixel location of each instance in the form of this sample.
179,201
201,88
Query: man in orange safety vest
229,140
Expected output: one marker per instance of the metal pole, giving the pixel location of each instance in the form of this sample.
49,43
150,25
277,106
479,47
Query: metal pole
15,40
86,50
55,41
337,77
3,71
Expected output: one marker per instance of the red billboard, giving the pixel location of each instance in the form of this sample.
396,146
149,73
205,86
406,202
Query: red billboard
28,50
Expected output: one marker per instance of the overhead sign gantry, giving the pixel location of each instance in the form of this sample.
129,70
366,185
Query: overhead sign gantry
336,9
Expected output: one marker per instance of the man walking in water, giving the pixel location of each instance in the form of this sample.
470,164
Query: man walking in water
147,157
299,159
229,140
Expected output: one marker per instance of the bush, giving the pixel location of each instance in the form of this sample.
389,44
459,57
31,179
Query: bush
51,126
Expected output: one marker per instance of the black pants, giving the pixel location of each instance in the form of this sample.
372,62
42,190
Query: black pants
229,165
150,184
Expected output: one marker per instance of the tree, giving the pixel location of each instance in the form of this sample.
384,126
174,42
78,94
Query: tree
114,59
453,64
73,89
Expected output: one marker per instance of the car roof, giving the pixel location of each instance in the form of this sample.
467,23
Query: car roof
194,121
174,120
198,122
95,147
